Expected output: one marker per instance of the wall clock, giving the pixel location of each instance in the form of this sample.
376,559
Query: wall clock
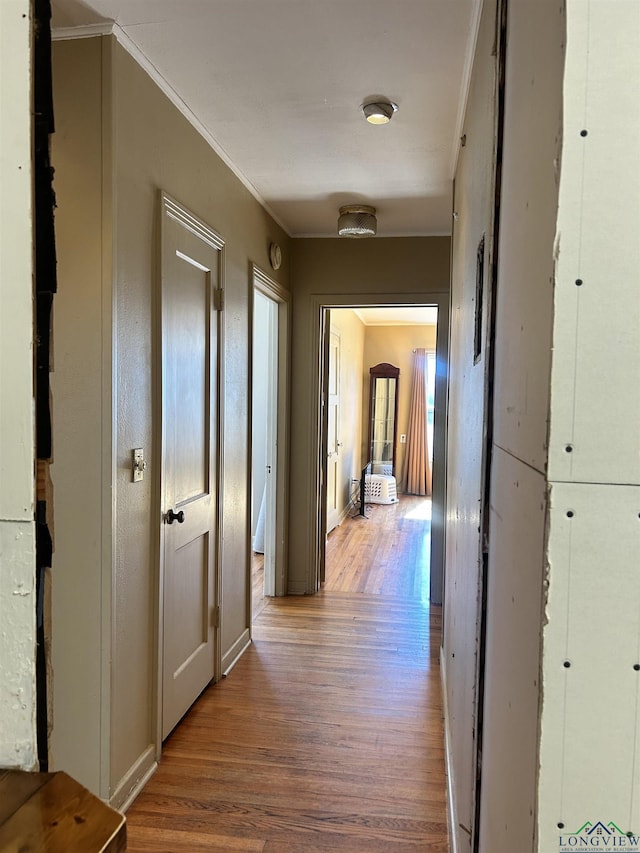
275,256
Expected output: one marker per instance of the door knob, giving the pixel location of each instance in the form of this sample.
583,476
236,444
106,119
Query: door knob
172,516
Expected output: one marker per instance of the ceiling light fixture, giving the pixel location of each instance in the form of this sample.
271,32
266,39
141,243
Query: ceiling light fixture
357,220
379,112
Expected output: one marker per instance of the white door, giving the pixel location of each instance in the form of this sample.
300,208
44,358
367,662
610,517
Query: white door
190,277
334,473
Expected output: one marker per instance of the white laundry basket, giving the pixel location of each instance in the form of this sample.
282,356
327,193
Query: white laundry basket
382,468
380,489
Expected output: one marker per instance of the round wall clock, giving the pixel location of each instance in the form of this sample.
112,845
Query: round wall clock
275,256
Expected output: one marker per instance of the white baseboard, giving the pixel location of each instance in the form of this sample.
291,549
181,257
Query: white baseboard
231,658
134,780
452,818
346,512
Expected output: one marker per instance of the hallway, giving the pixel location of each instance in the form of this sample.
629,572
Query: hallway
327,735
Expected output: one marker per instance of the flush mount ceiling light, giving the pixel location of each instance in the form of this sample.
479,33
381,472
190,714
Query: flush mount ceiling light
357,220
379,112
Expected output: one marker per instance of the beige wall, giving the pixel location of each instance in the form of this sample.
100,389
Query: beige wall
352,335
80,385
339,272
156,147
395,345
133,143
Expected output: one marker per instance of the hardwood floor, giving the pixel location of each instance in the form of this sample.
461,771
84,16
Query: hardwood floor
258,600
327,735
386,553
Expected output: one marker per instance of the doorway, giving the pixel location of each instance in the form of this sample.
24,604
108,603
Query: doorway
370,335
269,439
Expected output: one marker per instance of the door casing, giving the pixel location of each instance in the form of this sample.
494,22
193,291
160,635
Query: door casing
268,287
170,209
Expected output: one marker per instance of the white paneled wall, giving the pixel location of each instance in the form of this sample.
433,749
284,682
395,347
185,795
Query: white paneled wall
590,742
596,368
524,316
512,679
591,647
561,727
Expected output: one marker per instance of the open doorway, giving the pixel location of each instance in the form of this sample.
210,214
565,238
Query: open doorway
269,439
356,339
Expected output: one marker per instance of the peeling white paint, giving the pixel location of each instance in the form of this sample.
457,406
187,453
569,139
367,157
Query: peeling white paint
17,647
22,592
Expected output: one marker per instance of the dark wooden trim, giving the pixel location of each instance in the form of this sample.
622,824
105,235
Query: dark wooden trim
384,370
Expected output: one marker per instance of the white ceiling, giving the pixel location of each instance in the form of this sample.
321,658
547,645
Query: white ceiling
410,315
277,85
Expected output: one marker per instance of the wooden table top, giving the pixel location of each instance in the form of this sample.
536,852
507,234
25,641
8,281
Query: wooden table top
52,812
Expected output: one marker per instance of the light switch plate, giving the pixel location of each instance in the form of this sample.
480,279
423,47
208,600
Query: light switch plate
138,465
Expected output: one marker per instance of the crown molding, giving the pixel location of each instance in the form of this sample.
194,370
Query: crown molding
86,31
111,28
466,82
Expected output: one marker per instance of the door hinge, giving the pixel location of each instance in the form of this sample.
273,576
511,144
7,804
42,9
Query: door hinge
218,299
215,617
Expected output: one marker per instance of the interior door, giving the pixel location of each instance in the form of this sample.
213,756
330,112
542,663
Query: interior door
190,279
334,474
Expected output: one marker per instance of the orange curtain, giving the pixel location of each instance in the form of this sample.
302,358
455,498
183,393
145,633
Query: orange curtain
417,471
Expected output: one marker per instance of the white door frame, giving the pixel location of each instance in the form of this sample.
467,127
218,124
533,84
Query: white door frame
264,419
169,207
273,291
320,305
333,453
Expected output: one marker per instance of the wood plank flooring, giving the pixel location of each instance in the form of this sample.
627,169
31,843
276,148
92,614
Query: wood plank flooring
327,735
258,600
386,553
